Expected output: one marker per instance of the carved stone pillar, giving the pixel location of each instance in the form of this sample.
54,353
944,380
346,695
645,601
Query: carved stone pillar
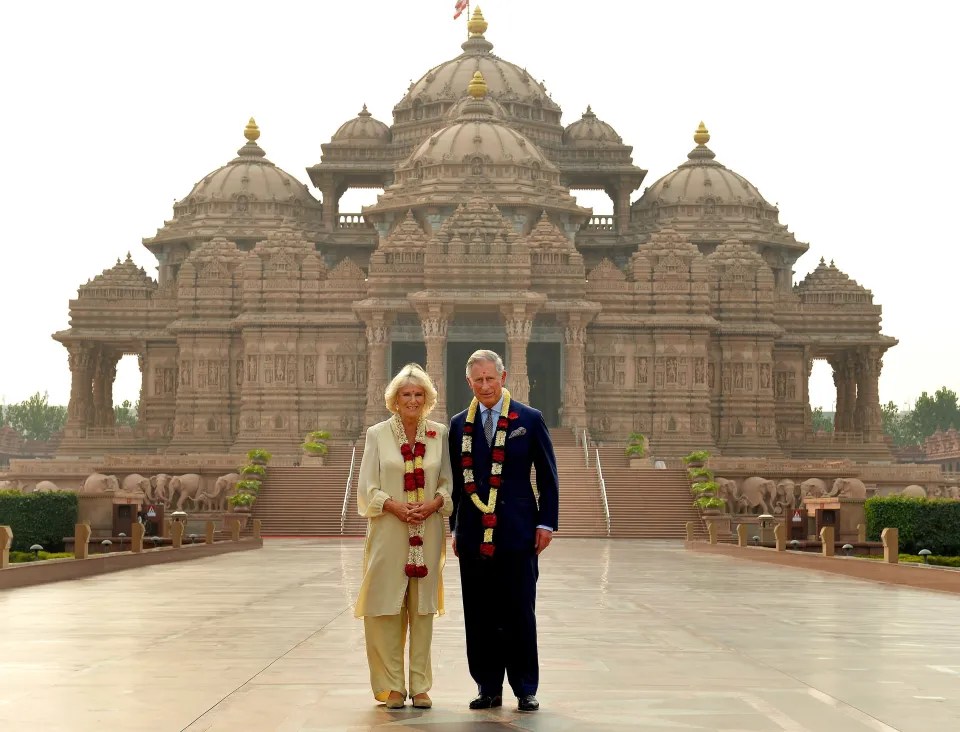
105,372
378,340
81,360
574,412
518,329
869,416
435,338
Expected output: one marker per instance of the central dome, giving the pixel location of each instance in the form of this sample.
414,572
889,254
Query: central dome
521,95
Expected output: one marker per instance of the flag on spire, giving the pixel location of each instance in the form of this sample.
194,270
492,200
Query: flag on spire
460,7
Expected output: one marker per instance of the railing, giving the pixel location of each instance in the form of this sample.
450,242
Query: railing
586,448
601,223
352,221
346,492
603,493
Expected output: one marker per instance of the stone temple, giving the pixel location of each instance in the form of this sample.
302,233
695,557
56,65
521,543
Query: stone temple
275,313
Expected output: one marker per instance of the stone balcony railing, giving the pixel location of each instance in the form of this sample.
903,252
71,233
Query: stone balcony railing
352,221
836,438
600,223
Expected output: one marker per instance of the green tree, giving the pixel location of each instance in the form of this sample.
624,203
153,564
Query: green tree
939,412
126,414
896,424
822,422
35,418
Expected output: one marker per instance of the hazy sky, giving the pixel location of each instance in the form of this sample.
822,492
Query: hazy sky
841,113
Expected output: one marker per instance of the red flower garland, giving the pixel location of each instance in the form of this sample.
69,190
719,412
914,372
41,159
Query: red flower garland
414,482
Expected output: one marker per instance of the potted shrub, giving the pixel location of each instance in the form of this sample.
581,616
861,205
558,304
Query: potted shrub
636,450
259,457
256,472
705,492
315,447
246,495
696,459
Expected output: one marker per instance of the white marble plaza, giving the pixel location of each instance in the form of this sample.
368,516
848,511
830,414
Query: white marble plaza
633,635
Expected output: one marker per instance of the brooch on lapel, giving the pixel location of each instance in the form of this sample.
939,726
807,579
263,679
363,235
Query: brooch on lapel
517,432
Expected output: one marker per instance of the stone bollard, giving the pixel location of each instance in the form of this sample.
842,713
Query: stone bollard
6,540
136,537
826,541
258,528
861,533
690,528
81,541
176,534
742,537
235,530
712,531
208,532
780,537
891,545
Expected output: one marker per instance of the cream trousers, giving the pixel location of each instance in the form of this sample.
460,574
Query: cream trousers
386,637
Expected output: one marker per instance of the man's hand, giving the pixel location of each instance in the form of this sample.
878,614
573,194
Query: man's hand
543,539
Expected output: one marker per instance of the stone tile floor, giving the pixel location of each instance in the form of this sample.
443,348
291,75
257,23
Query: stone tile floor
633,635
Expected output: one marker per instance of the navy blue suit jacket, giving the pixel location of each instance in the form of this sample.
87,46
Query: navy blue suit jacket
518,514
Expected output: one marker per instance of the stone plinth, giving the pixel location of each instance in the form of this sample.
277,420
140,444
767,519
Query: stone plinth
850,514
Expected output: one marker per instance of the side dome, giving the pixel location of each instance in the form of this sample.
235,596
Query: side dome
363,129
241,201
710,204
522,96
588,131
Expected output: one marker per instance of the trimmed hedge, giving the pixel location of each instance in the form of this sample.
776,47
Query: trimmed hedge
924,523
39,518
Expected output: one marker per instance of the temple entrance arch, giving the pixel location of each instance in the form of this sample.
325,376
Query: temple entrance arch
546,380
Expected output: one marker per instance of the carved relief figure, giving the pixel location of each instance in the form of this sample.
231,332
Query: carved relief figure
671,370
698,371
186,373
251,368
280,369
780,385
764,376
309,369
642,365
738,376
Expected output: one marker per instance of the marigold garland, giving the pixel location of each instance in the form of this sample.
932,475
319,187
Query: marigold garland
414,481
498,455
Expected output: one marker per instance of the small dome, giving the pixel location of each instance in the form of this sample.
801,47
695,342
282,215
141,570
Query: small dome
364,129
700,179
588,131
827,284
476,144
248,177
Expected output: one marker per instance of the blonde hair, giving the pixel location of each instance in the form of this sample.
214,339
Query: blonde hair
412,373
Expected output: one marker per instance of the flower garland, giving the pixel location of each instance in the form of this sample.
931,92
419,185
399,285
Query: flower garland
414,481
489,519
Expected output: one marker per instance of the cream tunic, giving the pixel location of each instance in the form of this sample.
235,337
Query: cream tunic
384,583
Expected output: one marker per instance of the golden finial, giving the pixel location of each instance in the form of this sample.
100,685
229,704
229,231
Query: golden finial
477,25
701,136
251,131
477,88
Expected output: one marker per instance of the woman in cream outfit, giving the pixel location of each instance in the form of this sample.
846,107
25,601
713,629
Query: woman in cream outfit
390,600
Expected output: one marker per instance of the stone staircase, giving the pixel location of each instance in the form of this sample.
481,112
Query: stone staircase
306,501
647,503
581,506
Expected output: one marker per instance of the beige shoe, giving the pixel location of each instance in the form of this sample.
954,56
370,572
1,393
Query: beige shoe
395,700
422,701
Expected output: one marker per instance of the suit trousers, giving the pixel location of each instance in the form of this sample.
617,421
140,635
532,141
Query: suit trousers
499,612
386,637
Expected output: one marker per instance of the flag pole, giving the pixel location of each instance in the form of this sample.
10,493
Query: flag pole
468,20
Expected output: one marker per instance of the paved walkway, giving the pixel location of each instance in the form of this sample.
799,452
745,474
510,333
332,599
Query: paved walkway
634,635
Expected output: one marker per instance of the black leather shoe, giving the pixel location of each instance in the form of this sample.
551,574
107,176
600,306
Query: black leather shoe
527,703
486,701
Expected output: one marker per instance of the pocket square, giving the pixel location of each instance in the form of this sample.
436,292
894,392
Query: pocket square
517,432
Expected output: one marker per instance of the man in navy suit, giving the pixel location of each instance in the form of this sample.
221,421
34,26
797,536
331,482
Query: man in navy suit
499,529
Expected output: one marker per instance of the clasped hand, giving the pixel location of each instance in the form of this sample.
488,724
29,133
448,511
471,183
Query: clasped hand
415,512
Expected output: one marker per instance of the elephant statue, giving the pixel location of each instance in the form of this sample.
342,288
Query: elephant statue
215,498
46,486
135,483
914,491
11,485
727,492
813,488
785,498
185,488
100,483
756,493
849,488
159,489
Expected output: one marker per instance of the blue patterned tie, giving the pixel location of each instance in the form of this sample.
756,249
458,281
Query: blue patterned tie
488,427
